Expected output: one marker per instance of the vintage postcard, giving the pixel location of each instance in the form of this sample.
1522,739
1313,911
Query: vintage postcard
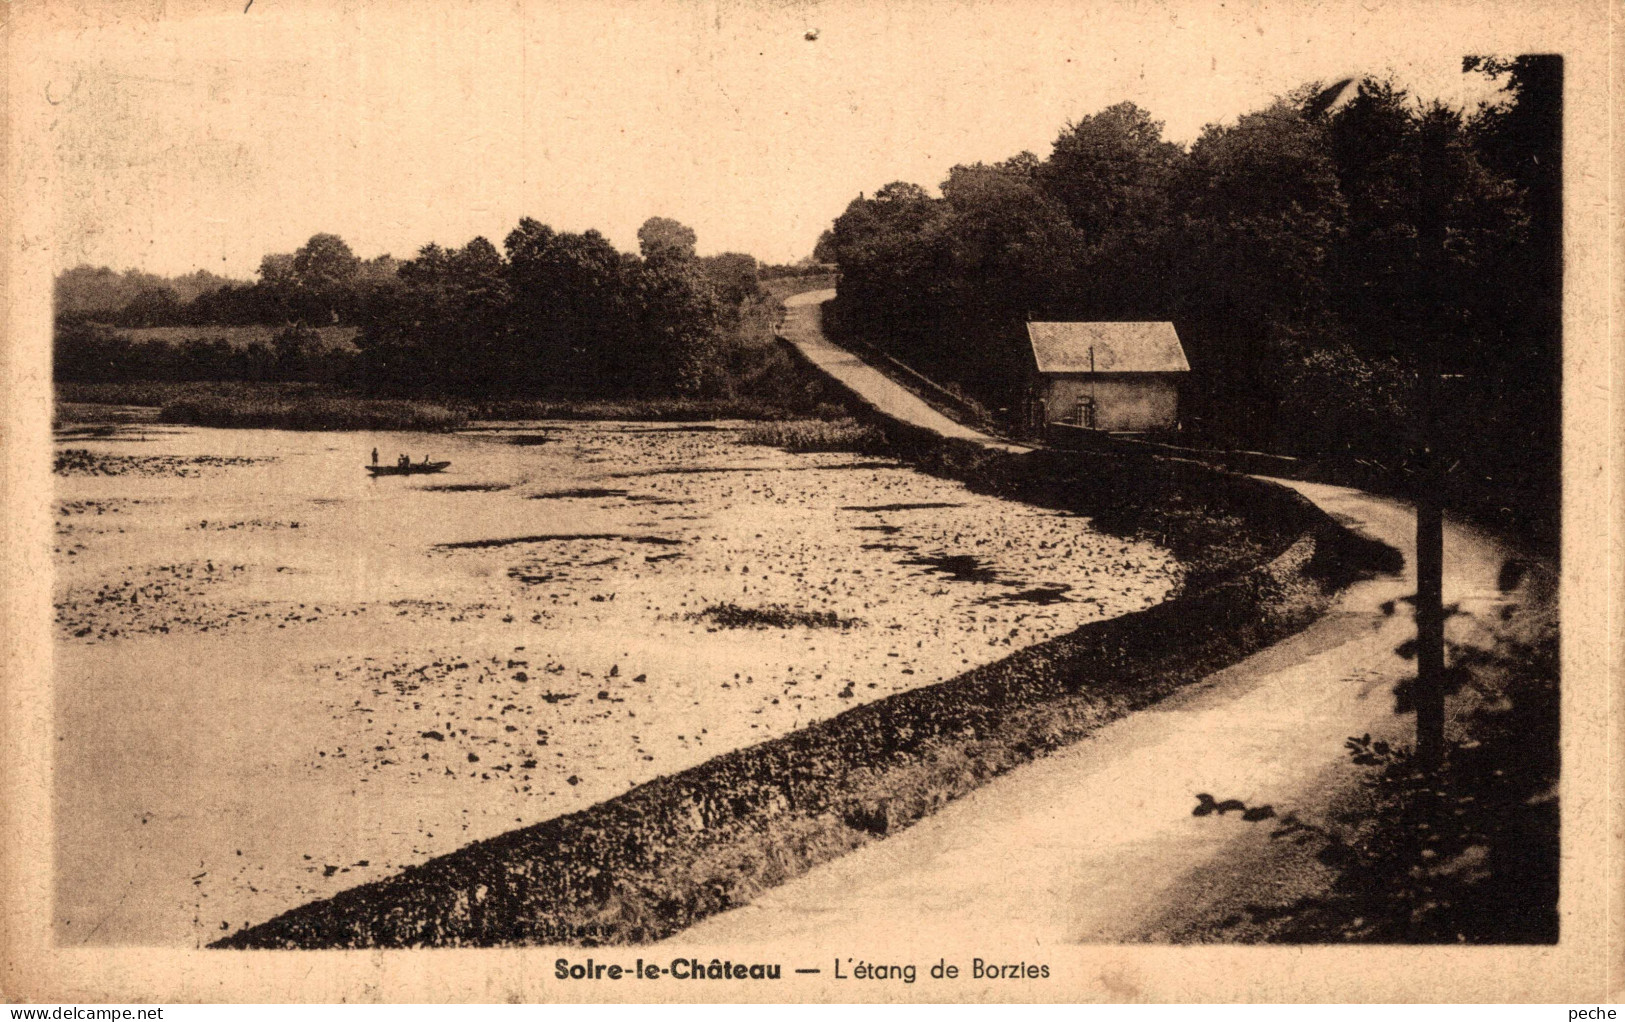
814,501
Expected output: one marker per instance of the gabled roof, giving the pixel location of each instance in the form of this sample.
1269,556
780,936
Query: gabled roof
1118,347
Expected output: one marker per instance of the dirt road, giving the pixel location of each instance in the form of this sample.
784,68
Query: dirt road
801,327
1096,844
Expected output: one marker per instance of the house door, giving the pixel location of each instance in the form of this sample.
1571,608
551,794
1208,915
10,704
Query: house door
1085,413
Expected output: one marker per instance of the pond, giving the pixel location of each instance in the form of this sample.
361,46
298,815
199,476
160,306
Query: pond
278,677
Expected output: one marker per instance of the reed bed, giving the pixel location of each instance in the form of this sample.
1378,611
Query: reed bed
809,436
311,411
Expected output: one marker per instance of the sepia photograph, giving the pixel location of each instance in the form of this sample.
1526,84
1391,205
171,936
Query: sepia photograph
978,501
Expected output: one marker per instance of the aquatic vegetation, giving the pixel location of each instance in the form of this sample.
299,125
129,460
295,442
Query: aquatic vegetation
804,436
310,411
773,615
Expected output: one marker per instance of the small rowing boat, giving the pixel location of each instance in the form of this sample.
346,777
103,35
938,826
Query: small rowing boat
407,470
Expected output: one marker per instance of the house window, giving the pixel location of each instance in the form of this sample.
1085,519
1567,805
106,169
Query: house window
1084,414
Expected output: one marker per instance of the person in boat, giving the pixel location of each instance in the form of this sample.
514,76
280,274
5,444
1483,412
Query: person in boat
375,457
403,461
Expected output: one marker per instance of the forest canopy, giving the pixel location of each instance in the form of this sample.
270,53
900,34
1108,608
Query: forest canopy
1312,256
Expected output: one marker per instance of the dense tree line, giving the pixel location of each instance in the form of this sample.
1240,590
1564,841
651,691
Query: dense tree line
1308,255
94,353
557,313
811,267
551,314
321,284
99,291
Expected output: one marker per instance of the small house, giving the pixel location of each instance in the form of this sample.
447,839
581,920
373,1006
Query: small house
1118,377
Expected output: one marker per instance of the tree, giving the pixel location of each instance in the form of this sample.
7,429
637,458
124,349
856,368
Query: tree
325,263
568,313
86,289
673,346
100,291
662,239
1520,138
277,270
1013,245
1376,146
1258,211
824,250
383,267
294,350
733,275
1111,172
324,271
1005,252
884,255
479,272
153,306
446,323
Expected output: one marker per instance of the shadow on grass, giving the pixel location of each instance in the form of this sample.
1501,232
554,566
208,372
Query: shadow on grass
1467,856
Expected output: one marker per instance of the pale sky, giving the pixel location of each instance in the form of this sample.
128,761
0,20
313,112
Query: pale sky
204,140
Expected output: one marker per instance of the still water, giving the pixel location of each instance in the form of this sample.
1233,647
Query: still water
278,677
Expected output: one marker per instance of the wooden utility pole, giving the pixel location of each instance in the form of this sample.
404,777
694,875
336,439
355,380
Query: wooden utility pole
1429,691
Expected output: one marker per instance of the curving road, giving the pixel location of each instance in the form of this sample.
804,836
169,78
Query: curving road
802,327
1097,843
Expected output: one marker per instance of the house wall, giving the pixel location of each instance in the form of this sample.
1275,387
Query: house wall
1130,402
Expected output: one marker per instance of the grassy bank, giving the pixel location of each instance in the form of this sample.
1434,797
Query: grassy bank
804,437
239,404
157,393
668,409
311,411
653,861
